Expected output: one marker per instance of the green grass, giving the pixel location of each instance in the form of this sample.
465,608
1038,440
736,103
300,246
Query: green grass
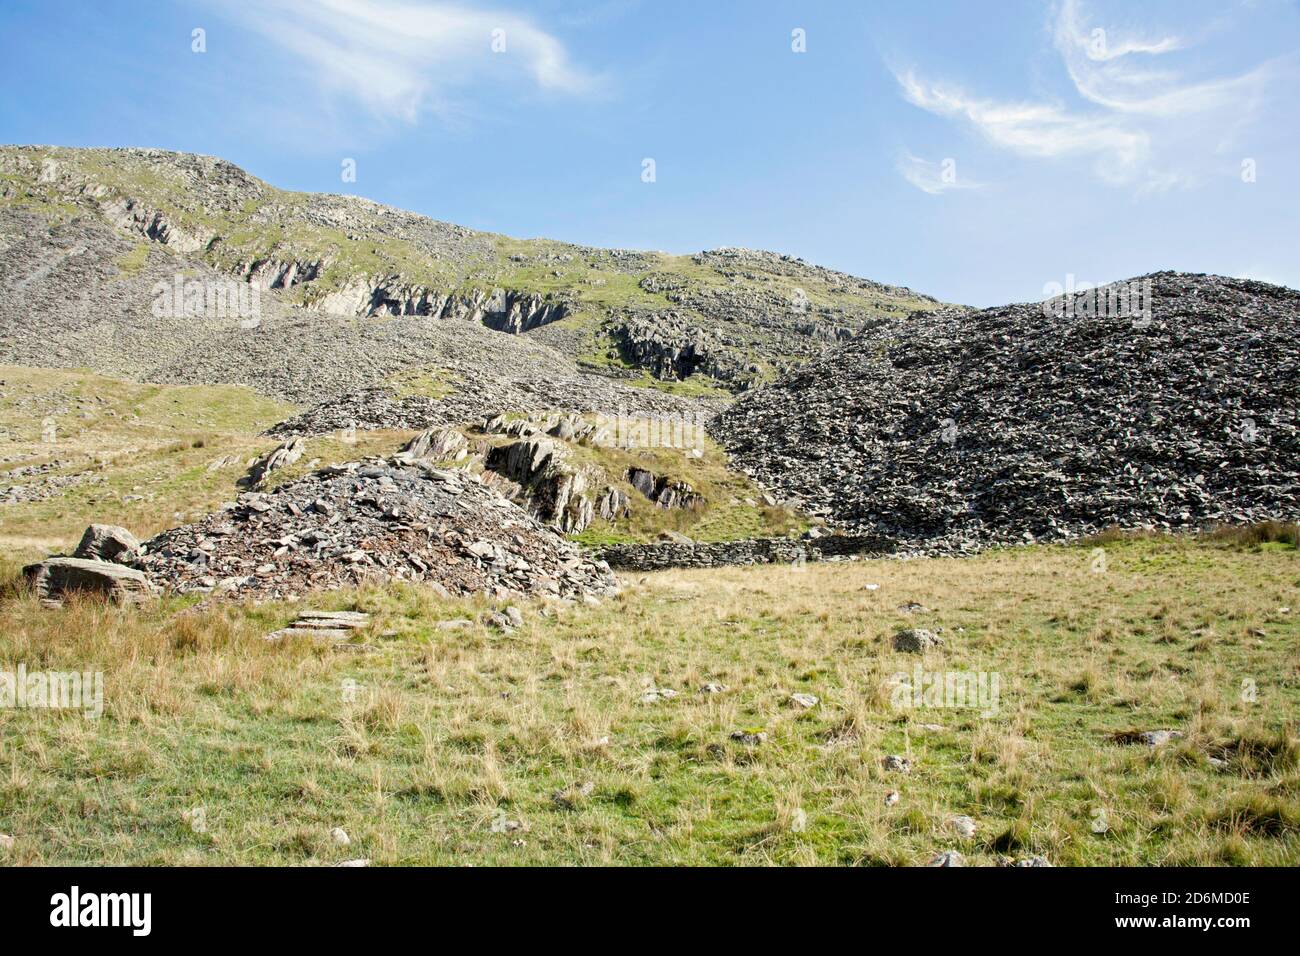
140,452
134,261
451,730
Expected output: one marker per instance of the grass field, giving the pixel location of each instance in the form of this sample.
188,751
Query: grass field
471,745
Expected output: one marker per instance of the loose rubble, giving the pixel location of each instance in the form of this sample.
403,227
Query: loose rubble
377,519
953,430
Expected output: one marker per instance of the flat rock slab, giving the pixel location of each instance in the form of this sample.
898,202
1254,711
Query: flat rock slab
55,578
343,620
316,633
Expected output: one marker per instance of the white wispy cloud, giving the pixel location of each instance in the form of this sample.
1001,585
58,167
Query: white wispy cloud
1137,124
1036,129
932,177
401,59
1104,69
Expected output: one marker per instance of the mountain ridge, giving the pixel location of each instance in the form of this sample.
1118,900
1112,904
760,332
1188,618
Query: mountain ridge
725,320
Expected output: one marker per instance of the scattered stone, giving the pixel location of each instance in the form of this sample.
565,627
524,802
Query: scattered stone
353,863
654,695
675,537
340,836
804,700
713,688
964,826
453,624
336,626
1158,738
947,858
571,798
891,798
750,738
507,619
900,764
501,823
916,640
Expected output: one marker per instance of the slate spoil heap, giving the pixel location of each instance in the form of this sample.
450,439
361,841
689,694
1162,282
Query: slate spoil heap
953,430
379,519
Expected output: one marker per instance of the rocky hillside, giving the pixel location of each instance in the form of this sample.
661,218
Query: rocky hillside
359,290
957,429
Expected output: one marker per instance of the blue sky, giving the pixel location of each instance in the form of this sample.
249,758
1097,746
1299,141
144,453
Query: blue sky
974,151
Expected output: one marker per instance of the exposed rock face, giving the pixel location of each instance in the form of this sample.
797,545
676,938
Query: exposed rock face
374,520
671,349
435,444
554,491
279,457
500,309
280,274
953,430
106,542
663,491
612,504
152,224
57,578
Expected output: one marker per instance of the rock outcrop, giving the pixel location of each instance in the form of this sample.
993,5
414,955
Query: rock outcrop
281,456
57,578
435,444
541,476
664,491
107,542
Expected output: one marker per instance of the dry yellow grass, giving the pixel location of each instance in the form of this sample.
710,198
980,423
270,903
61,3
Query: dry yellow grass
437,744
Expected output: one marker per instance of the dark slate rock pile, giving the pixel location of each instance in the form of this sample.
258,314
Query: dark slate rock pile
478,393
379,519
953,430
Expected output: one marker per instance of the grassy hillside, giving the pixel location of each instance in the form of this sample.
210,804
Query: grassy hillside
150,457
205,210
135,454
469,745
